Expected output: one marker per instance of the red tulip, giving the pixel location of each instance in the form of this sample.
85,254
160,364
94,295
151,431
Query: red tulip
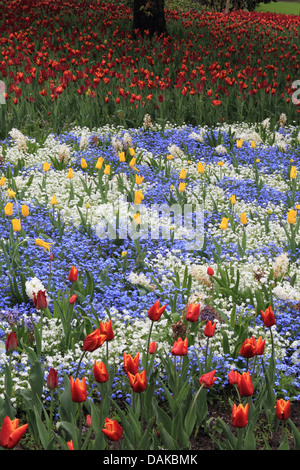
210,271
155,312
70,445
40,300
112,429
240,415
88,421
245,385
260,346
233,377
138,381
152,347
93,341
180,347
268,317
11,342
78,390
192,313
11,433
131,365
73,274
208,379
100,372
106,329
283,409
248,348
52,379
73,299
209,329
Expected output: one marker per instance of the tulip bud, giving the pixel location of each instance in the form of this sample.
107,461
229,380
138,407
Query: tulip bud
73,299
52,379
11,342
73,274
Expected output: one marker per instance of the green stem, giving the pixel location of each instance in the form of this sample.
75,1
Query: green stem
82,356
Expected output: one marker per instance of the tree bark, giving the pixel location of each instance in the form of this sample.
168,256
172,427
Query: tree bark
149,15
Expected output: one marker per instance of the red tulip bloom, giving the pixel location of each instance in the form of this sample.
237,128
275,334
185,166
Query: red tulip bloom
112,429
11,342
152,347
233,377
192,313
240,415
78,390
180,347
40,300
268,317
155,312
73,299
245,385
131,365
210,271
209,329
138,381
70,445
11,433
52,379
73,274
283,409
100,372
88,421
260,346
208,379
248,348
106,329
93,341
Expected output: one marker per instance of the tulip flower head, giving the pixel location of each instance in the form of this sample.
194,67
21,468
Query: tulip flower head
131,364
138,381
210,271
8,209
11,433
106,329
25,210
268,317
208,379
209,329
152,347
180,347
200,167
245,385
112,429
11,342
43,244
78,390
224,223
155,312
16,225
52,379
192,313
240,415
46,166
73,274
100,372
93,341
53,201
291,216
233,377
283,409
40,300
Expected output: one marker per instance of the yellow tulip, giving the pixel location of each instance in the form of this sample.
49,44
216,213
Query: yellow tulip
124,253
138,197
253,144
25,210
11,193
8,209
182,187
132,162
83,164
137,218
200,167
291,216
293,172
107,169
122,156
182,175
99,163
220,163
139,179
2,181
70,173
243,218
239,143
46,166
232,199
170,157
224,223
16,225
53,201
132,151
43,244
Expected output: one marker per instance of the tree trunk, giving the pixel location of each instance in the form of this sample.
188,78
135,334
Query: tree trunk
149,15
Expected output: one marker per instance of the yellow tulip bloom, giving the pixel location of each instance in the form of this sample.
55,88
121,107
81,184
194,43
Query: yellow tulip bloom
46,166
122,156
132,162
83,164
239,143
224,223
253,144
182,187
107,170
243,218
139,179
291,216
70,173
2,181
43,244
16,225
138,197
137,218
11,193
170,157
25,210
232,199
8,209
99,163
53,201
200,167
220,163
182,175
293,172
132,151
